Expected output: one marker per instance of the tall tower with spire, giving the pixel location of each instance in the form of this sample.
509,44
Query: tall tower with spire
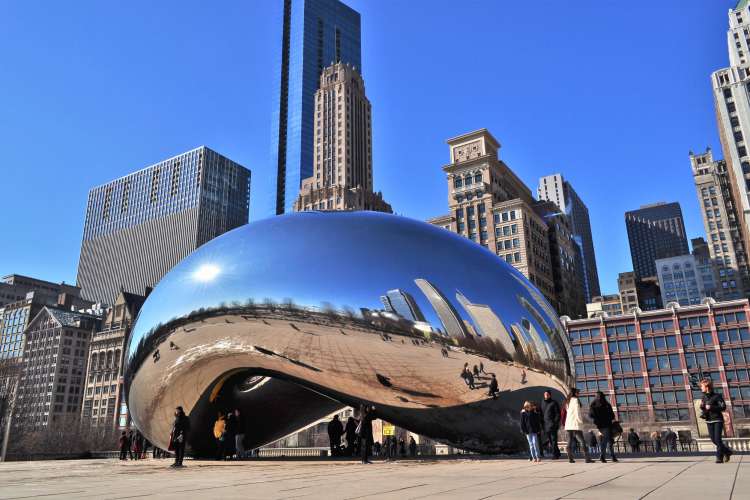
342,155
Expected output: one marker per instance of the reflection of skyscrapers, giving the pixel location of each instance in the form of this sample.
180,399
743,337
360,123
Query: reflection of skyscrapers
402,303
541,346
487,322
448,315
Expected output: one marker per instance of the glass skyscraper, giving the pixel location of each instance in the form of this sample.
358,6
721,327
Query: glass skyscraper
139,226
315,33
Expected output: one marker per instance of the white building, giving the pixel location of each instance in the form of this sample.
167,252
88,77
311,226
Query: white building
680,280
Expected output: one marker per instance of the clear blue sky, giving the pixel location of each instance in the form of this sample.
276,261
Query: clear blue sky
611,94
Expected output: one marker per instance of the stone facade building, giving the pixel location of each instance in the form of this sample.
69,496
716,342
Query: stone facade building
732,106
55,355
723,225
103,403
342,161
491,206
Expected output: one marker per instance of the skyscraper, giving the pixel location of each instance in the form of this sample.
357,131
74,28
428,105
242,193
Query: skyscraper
556,189
490,205
722,223
732,103
402,303
342,173
655,232
315,34
449,317
139,226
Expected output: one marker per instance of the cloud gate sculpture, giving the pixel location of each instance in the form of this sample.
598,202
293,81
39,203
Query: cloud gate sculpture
291,318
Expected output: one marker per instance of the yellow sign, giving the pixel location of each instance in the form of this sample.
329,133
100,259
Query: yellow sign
389,430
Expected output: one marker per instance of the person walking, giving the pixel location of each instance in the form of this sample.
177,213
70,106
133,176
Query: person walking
137,445
124,443
364,431
634,441
335,431
656,439
412,447
712,406
603,416
574,425
178,438
493,390
671,440
551,423
351,435
219,435
239,438
593,443
476,371
481,368
531,426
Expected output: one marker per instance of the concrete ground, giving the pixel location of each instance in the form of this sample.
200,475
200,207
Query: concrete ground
683,477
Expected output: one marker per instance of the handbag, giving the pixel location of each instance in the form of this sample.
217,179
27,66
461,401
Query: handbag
171,443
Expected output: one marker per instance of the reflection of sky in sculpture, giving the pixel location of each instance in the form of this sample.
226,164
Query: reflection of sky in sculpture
348,260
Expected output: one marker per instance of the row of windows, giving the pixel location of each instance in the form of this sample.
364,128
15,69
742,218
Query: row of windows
736,356
668,397
626,365
586,334
588,349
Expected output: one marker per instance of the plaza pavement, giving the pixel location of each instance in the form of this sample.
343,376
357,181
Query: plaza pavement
681,477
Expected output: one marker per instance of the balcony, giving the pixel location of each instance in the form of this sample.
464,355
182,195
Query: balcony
476,188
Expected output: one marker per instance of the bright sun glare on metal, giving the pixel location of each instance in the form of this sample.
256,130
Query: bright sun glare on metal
207,272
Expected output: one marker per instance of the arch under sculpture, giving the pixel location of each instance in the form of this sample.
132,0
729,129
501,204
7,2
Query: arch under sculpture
291,318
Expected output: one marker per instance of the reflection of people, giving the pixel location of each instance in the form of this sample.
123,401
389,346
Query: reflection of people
493,387
712,406
523,376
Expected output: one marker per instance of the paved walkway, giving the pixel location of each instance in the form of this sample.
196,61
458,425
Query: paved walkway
682,478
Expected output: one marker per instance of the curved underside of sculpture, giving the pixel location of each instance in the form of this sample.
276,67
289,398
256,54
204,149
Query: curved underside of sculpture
292,318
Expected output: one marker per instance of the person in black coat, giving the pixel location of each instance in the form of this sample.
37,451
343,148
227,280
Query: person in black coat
712,406
351,435
493,390
551,423
180,430
600,411
335,431
364,431
634,441
230,431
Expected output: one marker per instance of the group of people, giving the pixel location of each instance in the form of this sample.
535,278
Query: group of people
470,375
356,434
133,445
229,433
540,424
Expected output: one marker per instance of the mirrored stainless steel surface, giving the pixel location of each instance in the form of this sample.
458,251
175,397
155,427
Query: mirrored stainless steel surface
292,317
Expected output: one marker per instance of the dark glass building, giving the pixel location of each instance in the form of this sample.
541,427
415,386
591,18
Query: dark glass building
315,34
655,232
139,226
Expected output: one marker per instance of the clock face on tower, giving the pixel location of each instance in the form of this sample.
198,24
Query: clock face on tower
467,151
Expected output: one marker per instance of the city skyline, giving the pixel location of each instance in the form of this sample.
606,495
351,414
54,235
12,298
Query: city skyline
522,141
